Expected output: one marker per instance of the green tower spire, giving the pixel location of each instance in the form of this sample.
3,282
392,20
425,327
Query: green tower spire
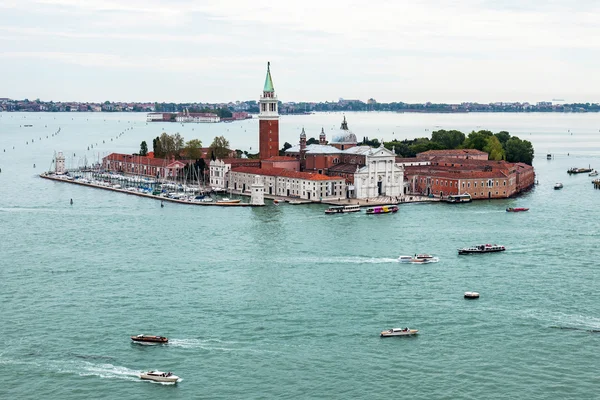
268,80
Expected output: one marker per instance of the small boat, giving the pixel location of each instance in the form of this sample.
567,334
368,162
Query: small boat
418,259
159,376
549,156
578,170
276,202
226,200
558,186
382,210
516,209
294,202
399,332
150,339
471,295
458,198
342,209
482,248
593,173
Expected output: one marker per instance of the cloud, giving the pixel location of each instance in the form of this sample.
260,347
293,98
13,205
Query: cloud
393,50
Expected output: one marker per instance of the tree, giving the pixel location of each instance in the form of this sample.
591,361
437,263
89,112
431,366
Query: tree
220,147
494,148
448,139
424,144
518,150
224,113
193,149
503,137
156,147
166,144
312,140
477,140
143,149
286,146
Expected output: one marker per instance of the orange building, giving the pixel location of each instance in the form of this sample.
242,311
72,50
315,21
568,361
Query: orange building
482,179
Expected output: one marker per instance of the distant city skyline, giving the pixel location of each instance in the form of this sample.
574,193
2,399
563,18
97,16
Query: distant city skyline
187,51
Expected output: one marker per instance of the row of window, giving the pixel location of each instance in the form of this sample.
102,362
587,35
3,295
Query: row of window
490,182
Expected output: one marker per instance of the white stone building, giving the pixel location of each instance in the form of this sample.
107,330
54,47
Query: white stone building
380,176
281,182
218,174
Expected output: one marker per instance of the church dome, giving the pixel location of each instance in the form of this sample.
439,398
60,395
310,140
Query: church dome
344,134
345,137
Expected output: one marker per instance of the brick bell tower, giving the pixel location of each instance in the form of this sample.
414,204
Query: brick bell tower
268,120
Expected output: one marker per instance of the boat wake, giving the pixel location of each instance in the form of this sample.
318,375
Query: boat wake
571,322
105,371
572,328
214,345
354,260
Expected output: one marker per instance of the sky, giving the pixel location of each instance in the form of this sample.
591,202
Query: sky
320,50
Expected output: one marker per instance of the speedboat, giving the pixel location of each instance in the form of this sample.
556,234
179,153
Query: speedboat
149,339
159,376
418,259
399,332
516,209
593,173
482,248
558,185
471,295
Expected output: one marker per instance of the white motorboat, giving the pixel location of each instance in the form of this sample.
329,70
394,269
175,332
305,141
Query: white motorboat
159,376
593,173
471,295
558,186
418,259
226,200
399,332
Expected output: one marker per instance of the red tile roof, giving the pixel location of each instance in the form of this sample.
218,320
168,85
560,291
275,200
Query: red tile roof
129,158
286,173
281,158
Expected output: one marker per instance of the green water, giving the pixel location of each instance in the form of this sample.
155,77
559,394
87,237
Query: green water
285,301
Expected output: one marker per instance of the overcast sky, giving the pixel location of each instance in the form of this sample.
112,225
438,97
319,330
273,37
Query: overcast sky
213,51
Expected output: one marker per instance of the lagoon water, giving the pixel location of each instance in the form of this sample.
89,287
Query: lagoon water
284,301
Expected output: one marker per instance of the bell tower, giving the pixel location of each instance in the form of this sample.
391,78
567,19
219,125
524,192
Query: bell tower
268,120
322,137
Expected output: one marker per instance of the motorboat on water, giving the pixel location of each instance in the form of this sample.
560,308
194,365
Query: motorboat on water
471,295
418,259
593,173
458,198
159,376
294,202
382,210
226,200
578,170
342,209
481,248
558,185
150,339
399,332
516,209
